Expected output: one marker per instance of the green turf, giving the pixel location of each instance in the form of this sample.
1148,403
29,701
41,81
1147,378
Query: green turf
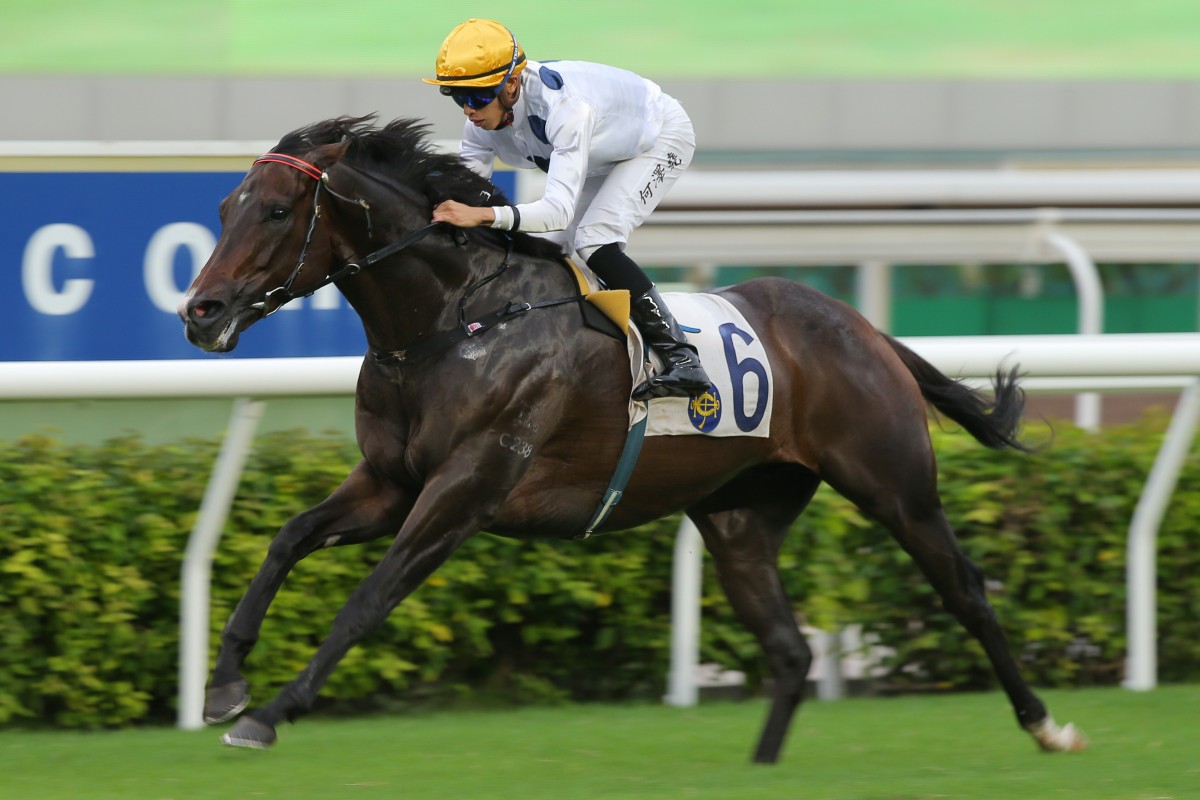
699,38
1144,746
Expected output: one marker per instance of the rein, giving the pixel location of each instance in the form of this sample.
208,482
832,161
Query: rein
422,349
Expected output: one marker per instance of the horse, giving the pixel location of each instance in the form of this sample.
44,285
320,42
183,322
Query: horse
487,401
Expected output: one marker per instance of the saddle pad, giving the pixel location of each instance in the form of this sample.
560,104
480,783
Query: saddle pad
612,303
740,402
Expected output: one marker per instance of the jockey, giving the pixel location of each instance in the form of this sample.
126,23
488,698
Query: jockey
611,144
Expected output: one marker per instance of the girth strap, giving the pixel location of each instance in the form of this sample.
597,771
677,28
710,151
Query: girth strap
467,330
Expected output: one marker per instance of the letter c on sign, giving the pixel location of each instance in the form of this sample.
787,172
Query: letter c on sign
38,263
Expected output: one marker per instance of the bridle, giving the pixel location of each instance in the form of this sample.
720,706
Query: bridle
346,270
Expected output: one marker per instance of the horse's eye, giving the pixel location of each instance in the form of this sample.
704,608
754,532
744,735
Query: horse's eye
279,213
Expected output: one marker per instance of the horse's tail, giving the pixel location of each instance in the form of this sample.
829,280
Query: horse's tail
995,424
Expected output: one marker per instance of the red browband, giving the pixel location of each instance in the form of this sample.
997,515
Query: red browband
308,169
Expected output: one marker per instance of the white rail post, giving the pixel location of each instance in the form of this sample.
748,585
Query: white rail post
874,290
197,560
702,276
831,684
686,572
1141,627
875,293
1091,314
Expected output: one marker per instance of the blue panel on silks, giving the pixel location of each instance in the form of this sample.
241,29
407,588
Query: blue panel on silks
94,264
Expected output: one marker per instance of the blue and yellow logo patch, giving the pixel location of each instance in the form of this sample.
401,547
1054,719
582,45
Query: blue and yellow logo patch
704,410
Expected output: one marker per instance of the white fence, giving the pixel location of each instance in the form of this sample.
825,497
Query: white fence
1156,359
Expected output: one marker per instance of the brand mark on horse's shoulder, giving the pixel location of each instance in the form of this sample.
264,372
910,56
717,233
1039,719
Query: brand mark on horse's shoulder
516,444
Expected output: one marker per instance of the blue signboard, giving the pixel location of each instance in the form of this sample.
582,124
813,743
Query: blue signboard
94,264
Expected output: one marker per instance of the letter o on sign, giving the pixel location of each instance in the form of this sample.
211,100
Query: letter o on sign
159,264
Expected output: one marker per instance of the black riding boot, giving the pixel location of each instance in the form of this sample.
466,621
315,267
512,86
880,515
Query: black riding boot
682,375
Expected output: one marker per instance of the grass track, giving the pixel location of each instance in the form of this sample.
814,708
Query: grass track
666,38
1144,747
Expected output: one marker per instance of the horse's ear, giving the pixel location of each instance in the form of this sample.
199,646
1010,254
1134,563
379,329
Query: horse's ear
329,154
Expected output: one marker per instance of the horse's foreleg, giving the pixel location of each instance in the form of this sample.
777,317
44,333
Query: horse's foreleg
440,521
361,509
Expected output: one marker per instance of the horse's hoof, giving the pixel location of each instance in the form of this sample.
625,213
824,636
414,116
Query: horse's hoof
223,703
249,732
1053,739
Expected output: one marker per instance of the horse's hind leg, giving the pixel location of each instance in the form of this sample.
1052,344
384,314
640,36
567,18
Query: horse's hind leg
361,509
744,544
959,582
900,491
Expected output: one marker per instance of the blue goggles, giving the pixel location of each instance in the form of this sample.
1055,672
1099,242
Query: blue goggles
475,98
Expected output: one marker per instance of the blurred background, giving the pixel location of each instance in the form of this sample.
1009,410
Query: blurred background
813,83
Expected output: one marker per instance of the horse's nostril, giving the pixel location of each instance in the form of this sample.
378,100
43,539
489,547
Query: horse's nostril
204,309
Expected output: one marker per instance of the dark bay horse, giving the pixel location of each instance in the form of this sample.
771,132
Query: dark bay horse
517,429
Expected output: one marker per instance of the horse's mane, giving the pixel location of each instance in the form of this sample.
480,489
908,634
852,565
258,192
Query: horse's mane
401,150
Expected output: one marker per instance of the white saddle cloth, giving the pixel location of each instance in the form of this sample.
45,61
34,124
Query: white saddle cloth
739,403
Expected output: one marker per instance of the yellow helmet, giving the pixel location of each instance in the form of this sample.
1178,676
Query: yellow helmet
479,52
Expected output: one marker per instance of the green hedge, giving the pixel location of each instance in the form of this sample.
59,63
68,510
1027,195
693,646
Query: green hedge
91,541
